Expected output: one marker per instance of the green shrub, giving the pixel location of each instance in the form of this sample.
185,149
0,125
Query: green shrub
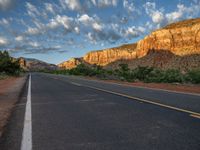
8,65
142,73
193,76
171,76
155,75
145,74
124,73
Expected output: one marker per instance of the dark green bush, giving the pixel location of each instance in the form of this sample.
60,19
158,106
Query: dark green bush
193,76
8,65
154,75
145,74
172,76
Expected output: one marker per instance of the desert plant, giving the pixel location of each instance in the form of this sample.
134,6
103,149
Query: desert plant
171,76
193,76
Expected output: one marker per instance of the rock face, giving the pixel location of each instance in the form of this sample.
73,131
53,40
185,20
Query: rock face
179,39
182,38
72,63
35,65
104,57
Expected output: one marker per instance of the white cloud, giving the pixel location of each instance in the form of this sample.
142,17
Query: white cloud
6,4
3,41
19,38
77,30
91,37
33,31
104,3
132,32
49,7
32,10
157,17
174,16
66,21
89,21
160,18
85,19
96,26
53,24
183,11
129,6
71,4
4,21
94,2
58,21
149,7
34,44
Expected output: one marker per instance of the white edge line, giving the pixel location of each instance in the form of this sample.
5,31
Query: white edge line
26,143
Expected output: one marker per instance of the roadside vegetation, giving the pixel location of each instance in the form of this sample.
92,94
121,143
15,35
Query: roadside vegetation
144,74
8,66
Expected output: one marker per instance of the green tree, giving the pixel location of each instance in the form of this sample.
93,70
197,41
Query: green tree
8,65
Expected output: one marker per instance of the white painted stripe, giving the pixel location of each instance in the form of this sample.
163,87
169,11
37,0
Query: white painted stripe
77,84
26,143
195,116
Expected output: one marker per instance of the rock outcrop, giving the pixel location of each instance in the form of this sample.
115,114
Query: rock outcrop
72,63
179,39
182,38
105,57
35,65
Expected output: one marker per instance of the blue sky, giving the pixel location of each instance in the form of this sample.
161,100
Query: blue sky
56,30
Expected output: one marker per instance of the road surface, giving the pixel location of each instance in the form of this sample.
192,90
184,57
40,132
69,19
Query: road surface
69,113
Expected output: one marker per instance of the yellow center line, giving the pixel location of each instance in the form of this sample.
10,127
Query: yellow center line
191,113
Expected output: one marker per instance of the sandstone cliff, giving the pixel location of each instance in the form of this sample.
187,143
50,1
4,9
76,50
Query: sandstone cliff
104,57
72,63
182,38
179,39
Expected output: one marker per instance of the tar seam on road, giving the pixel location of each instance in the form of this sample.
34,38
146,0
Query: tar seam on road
191,113
26,143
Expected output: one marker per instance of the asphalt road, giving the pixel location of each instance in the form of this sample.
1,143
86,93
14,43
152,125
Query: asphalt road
70,113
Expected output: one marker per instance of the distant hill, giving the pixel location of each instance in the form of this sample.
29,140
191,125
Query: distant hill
178,44
31,64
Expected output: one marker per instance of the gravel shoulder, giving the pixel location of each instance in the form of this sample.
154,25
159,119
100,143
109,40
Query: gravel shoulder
10,91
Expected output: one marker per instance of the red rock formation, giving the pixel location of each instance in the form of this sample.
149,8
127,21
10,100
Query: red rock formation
72,63
181,39
104,57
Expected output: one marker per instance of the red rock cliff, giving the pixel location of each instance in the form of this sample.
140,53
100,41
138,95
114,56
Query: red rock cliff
181,38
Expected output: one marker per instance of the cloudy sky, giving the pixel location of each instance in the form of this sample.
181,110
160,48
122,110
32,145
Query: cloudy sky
55,30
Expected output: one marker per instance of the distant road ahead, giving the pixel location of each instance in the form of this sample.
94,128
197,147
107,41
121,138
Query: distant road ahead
70,113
